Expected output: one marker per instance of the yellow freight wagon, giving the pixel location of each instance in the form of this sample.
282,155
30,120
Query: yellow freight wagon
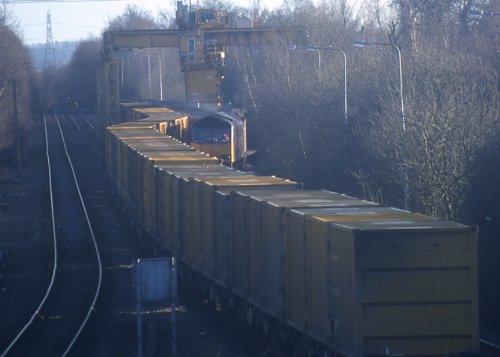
377,281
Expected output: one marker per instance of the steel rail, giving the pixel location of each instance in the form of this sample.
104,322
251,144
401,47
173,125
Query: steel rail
98,256
54,240
54,235
73,120
490,344
85,118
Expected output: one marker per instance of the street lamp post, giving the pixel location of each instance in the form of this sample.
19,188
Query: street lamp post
159,73
478,14
312,49
318,50
149,76
148,55
309,49
406,193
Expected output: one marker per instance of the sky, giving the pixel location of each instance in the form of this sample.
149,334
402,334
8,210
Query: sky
76,20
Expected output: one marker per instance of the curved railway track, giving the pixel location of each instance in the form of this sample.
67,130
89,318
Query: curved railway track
74,287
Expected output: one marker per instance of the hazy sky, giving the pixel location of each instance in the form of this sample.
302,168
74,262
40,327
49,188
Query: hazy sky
79,20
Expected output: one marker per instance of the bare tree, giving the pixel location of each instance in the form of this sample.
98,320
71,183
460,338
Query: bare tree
451,108
142,68
81,85
133,18
15,65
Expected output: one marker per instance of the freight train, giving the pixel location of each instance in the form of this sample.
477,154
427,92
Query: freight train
345,275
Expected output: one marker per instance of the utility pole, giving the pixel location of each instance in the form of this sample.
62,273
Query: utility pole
50,50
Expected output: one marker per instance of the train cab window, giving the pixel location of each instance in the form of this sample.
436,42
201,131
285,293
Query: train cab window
211,131
211,135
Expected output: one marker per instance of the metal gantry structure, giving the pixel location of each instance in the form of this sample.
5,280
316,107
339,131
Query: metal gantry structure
203,38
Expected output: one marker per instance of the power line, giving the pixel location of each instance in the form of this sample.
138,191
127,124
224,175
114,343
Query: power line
62,24
55,1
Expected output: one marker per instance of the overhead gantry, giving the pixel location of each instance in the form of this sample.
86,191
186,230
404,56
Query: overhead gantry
202,38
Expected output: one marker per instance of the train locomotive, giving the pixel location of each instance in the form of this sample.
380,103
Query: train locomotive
346,275
220,134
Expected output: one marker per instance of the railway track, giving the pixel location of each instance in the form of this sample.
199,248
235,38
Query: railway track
80,121
70,298
489,348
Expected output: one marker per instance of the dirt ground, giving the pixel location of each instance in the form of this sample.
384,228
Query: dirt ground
24,237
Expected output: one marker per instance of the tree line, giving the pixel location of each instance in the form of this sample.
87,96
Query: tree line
294,99
427,157
436,147
15,82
